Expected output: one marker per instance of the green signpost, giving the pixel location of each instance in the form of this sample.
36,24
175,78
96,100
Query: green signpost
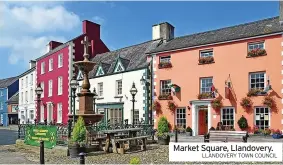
34,134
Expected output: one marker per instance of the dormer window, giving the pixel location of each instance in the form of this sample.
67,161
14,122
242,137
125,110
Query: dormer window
99,71
119,67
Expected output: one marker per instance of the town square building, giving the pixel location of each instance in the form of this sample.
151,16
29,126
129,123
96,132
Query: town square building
26,98
220,76
13,107
55,69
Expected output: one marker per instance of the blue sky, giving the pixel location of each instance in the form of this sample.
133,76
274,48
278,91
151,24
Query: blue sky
26,27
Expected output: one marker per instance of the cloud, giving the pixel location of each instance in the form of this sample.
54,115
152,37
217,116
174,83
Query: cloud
27,29
98,20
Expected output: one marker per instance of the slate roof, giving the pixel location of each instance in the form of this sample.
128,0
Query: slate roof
4,83
14,99
252,29
132,57
27,72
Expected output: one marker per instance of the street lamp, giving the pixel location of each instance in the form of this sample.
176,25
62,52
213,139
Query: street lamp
38,92
74,85
95,96
133,92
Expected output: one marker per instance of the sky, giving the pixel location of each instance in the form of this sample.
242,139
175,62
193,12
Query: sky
27,27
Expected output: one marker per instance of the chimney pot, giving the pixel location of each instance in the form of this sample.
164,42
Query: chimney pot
32,64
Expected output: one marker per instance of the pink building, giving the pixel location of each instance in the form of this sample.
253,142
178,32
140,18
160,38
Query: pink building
55,69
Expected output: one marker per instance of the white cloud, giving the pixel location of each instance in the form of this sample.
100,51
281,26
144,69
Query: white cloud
98,20
26,29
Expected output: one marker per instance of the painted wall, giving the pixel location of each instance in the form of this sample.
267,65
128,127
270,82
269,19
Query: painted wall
4,110
13,88
53,75
229,59
27,105
109,91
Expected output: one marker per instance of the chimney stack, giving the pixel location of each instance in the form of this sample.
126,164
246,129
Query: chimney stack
91,29
281,12
32,64
164,31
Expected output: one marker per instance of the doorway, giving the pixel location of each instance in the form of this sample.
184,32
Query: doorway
202,122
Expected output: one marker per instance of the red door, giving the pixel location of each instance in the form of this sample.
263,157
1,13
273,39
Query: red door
202,122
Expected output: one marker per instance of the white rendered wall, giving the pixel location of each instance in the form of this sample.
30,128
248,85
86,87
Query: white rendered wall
109,91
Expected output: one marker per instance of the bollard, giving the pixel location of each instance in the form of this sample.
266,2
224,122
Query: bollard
82,158
176,135
41,156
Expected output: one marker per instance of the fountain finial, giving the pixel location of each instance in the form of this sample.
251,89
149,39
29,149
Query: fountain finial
86,44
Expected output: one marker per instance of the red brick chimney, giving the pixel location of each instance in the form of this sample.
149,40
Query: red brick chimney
53,45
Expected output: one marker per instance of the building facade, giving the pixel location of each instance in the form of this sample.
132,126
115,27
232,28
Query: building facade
13,104
55,69
8,87
27,98
113,77
221,76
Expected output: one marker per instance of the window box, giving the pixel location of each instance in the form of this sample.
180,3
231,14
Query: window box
205,95
257,52
165,97
206,60
255,92
162,65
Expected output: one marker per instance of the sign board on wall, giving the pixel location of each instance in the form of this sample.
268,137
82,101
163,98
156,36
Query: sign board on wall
34,134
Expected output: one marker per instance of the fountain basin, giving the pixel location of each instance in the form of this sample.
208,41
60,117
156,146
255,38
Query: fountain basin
89,119
85,66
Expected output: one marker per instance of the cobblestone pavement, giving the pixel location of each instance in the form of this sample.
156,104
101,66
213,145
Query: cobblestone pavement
10,156
8,136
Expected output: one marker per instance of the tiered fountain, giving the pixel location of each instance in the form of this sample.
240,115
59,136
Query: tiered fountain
86,109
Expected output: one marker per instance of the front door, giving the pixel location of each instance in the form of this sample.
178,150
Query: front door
202,122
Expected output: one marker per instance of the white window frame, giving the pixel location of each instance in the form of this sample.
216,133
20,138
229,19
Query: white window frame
26,81
42,86
221,115
42,68
164,85
31,115
119,67
59,112
26,97
100,89
206,53
118,118
50,88
50,68
100,71
31,95
60,60
205,86
118,89
136,116
250,80
22,83
31,79
22,97
42,113
165,59
60,85
252,44
269,115
181,118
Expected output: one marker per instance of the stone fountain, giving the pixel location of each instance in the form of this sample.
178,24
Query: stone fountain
86,109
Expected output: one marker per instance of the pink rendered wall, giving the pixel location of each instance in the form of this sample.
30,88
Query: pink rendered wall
53,75
230,58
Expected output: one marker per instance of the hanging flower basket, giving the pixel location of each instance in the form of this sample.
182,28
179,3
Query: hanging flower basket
257,52
268,101
254,92
205,95
164,65
157,106
172,106
206,60
246,103
216,104
165,97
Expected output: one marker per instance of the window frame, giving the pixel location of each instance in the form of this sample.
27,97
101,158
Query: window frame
50,88
100,89
31,95
1,105
60,85
42,86
254,43
118,89
60,63
136,116
42,67
27,81
31,79
169,88
234,115
165,57
206,51
250,79
59,109
181,118
50,64
200,84
269,115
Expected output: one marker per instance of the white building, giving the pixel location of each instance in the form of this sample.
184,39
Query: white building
27,80
113,77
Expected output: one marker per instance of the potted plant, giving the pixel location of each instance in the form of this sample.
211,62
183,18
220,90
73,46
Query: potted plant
266,131
243,123
171,106
189,131
163,131
277,134
246,103
254,92
157,106
257,52
268,101
206,60
216,103
77,141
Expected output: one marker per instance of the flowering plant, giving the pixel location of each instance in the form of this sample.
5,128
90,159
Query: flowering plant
165,97
216,103
257,52
246,102
254,92
277,132
268,101
205,95
164,65
206,60
172,106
